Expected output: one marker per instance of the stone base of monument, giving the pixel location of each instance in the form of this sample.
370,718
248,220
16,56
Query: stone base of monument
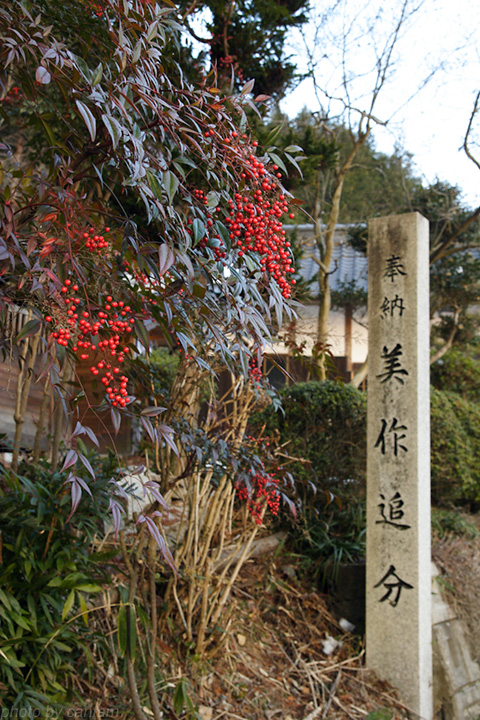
456,676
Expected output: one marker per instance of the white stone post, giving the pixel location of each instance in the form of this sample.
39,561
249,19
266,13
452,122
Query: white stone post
398,613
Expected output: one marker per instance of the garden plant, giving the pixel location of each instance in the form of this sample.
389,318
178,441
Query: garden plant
133,198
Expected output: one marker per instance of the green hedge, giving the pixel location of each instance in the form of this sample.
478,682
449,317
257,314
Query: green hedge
455,439
325,423
459,371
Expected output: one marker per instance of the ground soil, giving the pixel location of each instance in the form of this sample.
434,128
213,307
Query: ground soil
274,663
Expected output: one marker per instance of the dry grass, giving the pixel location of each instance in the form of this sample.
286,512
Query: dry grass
272,665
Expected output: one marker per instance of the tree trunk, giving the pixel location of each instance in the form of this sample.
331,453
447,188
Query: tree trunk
325,243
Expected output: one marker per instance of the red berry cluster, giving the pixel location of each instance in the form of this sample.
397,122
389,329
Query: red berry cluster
103,331
255,373
12,95
255,225
264,490
95,243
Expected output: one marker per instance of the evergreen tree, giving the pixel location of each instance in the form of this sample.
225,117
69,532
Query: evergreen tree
247,38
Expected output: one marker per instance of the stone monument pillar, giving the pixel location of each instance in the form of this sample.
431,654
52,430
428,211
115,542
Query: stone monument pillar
398,613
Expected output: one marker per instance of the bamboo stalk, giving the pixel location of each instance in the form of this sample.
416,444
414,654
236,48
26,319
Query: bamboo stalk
214,618
132,588
153,633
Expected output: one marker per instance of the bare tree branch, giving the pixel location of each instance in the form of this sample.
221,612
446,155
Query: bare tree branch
469,130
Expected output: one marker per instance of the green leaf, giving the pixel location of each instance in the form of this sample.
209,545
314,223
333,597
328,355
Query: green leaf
32,610
251,263
137,52
152,30
16,617
4,599
199,291
213,198
89,588
98,75
274,135
224,234
132,631
278,161
46,610
293,148
68,604
88,118
83,67
30,328
12,661
155,185
180,696
199,230
186,161
122,630
61,646
55,582
142,334
114,129
83,608
171,183
294,163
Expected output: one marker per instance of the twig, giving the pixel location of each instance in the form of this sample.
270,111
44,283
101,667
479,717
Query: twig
331,694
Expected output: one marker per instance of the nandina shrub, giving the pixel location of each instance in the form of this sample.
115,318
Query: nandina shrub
137,201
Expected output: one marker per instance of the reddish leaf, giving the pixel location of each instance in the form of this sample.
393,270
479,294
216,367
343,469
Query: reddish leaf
117,512
86,462
157,536
116,419
248,87
84,485
290,504
76,491
31,245
154,489
88,118
166,258
92,436
138,470
148,427
152,411
70,459
164,432
42,75
119,489
79,430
